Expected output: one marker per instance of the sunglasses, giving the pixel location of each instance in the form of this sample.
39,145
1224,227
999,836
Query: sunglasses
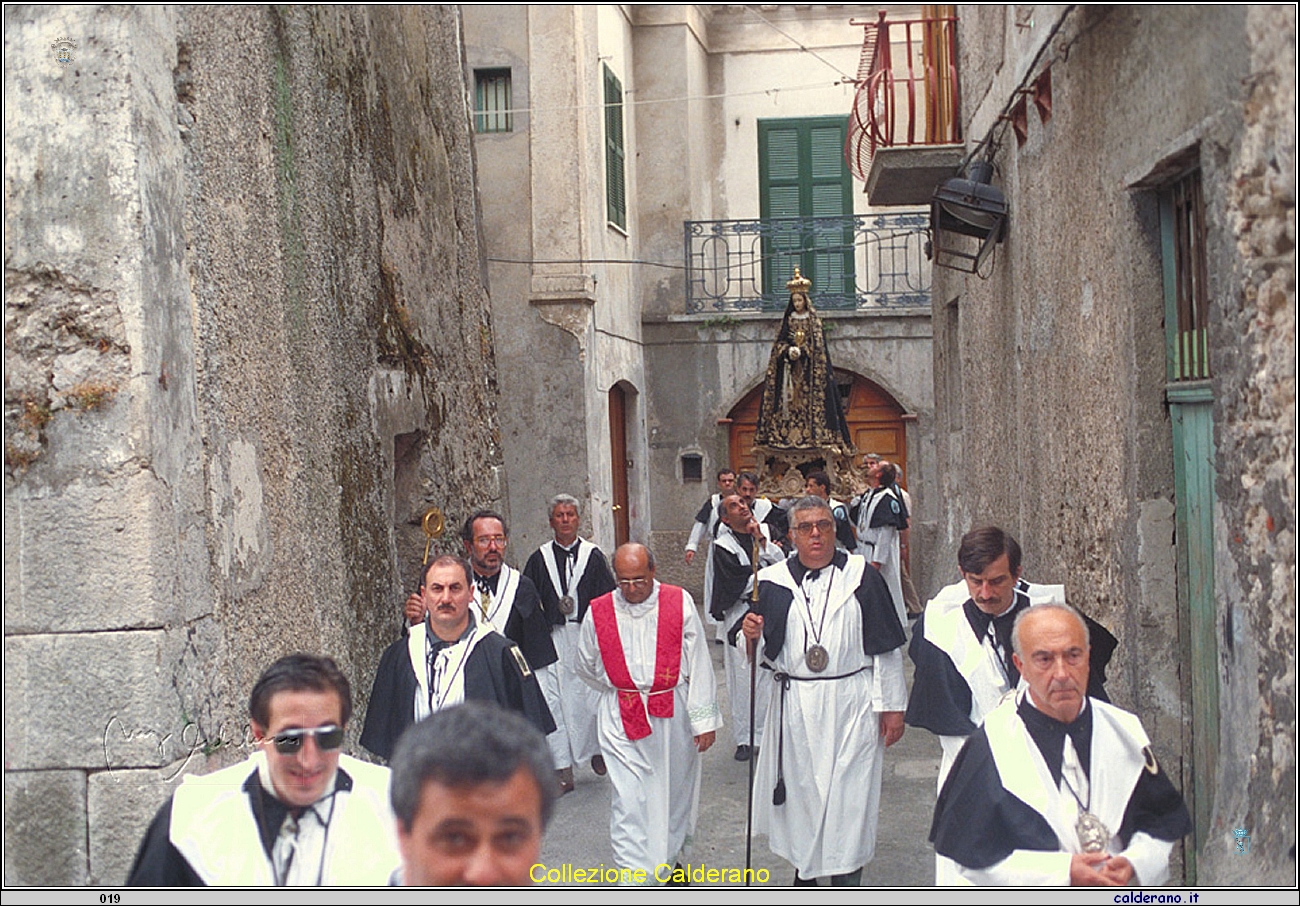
289,742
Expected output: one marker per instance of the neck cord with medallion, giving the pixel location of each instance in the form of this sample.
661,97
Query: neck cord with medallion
1092,832
431,659
816,657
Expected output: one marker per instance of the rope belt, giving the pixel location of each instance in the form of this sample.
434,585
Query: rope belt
784,679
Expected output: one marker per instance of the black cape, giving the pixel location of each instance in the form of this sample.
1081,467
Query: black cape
528,627
940,700
158,863
973,797
892,511
730,577
493,673
881,631
596,580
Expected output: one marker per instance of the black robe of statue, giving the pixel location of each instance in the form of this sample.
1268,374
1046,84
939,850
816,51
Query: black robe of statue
818,421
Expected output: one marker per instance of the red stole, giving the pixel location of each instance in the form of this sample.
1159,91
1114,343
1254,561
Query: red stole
668,660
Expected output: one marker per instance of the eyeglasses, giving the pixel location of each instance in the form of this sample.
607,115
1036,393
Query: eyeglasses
488,540
823,527
289,742
634,583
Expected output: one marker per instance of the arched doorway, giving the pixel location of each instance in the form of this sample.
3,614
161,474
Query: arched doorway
875,421
619,462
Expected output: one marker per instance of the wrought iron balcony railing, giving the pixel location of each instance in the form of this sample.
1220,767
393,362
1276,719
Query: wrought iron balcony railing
855,262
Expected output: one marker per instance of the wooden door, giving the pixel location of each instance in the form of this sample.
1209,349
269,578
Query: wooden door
619,462
875,422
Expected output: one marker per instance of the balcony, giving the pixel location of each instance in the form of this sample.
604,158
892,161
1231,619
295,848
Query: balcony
904,133
856,263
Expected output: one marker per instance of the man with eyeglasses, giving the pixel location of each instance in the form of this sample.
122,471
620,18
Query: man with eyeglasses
1055,787
451,656
296,813
643,648
833,642
503,596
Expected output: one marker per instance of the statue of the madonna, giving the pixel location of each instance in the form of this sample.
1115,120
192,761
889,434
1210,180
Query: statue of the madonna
801,404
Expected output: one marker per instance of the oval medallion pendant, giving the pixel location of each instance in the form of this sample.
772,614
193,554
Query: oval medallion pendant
566,605
816,658
1093,835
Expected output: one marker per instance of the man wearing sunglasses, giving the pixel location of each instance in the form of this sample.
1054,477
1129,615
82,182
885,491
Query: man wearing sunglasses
296,813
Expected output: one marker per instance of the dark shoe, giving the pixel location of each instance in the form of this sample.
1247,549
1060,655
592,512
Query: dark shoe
743,753
598,765
564,777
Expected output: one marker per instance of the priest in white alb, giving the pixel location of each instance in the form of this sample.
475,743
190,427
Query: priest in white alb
643,649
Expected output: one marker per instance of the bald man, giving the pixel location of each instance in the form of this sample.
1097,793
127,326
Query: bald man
643,649
1058,788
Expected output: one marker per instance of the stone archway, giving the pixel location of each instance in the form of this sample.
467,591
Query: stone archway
875,421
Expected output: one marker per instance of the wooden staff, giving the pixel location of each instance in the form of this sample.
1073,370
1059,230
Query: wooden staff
753,684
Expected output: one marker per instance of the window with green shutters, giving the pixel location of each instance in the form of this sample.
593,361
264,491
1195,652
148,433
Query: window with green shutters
615,152
802,174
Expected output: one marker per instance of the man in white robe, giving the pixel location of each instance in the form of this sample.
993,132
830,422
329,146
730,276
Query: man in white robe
1058,788
764,510
834,641
881,519
643,648
704,529
962,643
733,581
450,657
568,573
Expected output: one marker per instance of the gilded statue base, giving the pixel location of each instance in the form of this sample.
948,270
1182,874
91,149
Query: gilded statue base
780,475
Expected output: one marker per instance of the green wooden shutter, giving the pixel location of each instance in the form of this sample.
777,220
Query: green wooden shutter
802,173
615,153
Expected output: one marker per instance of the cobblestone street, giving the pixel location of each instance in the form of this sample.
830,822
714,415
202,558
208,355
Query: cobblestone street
579,833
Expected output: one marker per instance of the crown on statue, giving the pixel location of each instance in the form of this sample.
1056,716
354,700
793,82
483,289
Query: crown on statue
799,283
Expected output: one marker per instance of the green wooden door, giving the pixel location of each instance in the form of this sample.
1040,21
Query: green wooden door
1191,412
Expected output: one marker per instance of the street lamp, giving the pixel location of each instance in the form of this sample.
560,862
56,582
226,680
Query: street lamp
968,207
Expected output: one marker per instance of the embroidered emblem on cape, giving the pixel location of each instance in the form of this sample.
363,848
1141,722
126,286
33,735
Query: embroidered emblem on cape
1152,766
521,661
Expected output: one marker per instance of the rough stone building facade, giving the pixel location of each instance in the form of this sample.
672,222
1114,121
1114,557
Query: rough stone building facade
645,385
1143,451
247,340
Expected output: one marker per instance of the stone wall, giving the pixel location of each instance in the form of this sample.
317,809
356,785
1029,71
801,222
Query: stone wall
1255,529
1050,367
247,342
